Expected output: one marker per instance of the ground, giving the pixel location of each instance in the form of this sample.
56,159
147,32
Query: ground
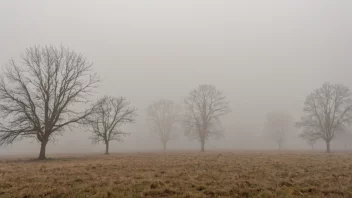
189,174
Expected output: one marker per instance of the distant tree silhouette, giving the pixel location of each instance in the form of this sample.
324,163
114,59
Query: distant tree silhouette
109,114
312,142
203,108
278,125
164,115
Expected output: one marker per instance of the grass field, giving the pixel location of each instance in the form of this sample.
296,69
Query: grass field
222,174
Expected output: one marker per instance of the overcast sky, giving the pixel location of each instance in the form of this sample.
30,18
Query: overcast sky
264,55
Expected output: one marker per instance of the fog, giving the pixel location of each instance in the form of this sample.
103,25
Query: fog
264,55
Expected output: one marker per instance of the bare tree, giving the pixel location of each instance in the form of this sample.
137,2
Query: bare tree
109,114
327,111
37,98
311,142
203,108
278,125
164,115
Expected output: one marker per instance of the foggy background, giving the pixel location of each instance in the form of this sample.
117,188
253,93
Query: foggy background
264,55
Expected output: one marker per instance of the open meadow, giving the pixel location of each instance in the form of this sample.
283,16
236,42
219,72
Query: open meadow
181,174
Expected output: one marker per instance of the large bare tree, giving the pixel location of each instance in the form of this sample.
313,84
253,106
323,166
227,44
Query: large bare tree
164,115
327,111
203,108
278,125
109,114
37,96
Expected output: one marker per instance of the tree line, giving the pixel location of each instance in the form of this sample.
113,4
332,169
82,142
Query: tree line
327,114
44,94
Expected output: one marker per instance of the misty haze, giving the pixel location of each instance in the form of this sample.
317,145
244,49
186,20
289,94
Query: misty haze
187,98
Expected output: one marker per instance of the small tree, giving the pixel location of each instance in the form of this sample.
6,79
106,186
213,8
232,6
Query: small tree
37,97
278,125
327,111
311,142
203,108
163,115
110,113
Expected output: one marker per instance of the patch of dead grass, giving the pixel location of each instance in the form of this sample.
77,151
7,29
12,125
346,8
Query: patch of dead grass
181,175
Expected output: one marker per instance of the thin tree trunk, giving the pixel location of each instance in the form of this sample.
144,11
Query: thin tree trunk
164,146
328,146
42,155
106,148
279,145
202,142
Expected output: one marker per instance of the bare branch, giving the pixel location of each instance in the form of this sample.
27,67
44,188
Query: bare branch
163,116
277,126
37,98
109,114
204,106
327,112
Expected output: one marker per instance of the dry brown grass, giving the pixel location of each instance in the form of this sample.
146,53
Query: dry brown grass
222,174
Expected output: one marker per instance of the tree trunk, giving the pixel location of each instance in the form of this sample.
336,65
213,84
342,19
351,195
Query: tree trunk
164,146
202,142
328,146
312,147
106,148
280,144
42,155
